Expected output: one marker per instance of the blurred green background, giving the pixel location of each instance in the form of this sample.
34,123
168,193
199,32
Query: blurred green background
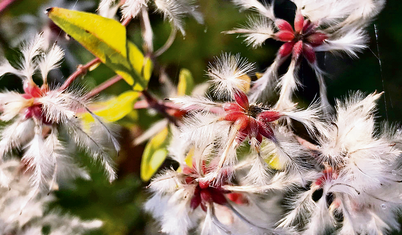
119,204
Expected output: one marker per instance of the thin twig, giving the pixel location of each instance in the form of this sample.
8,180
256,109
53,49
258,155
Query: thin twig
82,69
126,21
147,33
155,104
307,144
168,43
103,86
5,3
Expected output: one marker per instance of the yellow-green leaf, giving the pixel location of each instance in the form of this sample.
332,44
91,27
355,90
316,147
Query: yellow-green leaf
106,39
154,154
113,109
274,163
186,83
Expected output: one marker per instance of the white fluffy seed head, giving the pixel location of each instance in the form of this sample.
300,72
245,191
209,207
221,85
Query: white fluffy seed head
229,74
131,8
256,31
50,60
175,10
30,50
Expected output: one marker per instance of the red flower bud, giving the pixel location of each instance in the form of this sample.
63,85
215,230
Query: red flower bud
299,22
195,201
269,116
284,36
309,53
286,49
283,25
316,39
297,50
241,99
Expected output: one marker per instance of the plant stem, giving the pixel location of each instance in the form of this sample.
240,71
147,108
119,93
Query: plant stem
5,3
126,21
82,69
168,43
103,86
161,108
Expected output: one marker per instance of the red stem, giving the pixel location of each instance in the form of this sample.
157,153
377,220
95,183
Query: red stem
126,21
158,106
103,86
82,69
5,3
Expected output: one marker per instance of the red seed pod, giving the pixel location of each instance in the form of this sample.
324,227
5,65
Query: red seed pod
286,49
203,184
266,131
241,136
297,50
187,170
241,99
189,180
259,138
299,22
269,116
217,196
284,36
242,122
233,116
203,207
32,89
206,195
237,198
28,113
232,107
253,127
316,39
307,27
283,25
195,201
309,53
36,111
27,96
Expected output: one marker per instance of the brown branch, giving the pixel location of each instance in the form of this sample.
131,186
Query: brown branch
307,144
126,21
159,107
103,86
82,69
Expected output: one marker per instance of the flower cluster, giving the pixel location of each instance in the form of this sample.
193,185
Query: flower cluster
239,160
44,121
349,182
319,26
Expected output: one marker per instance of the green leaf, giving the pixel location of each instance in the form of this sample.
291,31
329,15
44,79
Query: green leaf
106,39
154,154
113,109
186,83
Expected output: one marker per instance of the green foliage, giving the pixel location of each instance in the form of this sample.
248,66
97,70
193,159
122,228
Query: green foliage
186,83
106,39
154,154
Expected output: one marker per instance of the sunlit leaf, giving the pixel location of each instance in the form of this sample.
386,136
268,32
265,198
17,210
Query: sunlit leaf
246,83
188,160
274,163
106,39
113,109
154,154
186,83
